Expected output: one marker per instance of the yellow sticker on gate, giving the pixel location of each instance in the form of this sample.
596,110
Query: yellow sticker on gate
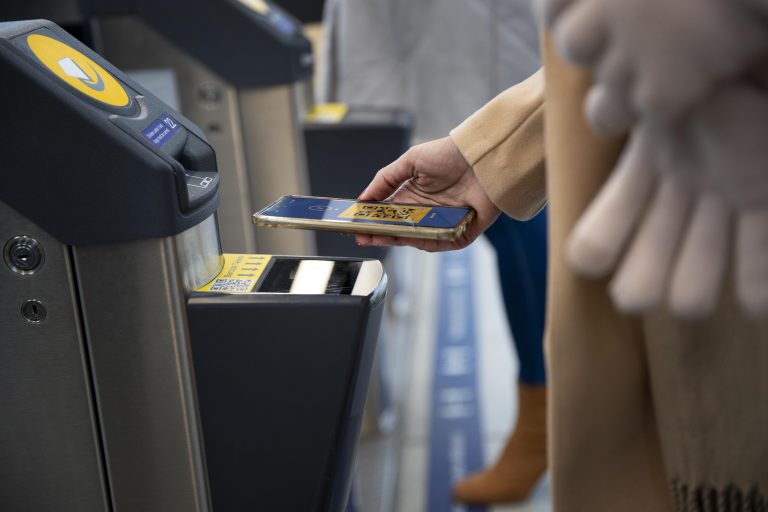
327,113
260,6
385,212
77,70
239,274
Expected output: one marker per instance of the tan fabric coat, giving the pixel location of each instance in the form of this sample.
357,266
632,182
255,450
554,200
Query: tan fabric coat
645,413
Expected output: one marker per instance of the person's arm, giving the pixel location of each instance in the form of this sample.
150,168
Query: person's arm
494,160
503,142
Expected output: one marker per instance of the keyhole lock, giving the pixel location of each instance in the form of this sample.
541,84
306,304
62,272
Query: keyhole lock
23,255
34,311
210,96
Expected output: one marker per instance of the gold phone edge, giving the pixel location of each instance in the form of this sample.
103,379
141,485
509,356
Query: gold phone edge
444,234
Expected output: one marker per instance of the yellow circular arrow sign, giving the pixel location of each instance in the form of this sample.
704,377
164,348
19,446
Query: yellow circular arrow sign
78,70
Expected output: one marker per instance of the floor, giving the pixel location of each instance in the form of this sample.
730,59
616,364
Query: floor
393,466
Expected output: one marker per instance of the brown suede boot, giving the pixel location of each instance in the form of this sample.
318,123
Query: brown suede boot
521,463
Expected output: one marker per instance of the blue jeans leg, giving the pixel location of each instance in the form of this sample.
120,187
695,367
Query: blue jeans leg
521,251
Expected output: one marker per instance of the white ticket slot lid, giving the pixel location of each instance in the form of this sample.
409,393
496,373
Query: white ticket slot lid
313,277
370,275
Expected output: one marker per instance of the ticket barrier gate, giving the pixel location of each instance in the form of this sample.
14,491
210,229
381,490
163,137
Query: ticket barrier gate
141,369
242,72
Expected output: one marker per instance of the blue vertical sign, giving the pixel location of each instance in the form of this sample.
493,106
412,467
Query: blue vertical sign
456,447
161,130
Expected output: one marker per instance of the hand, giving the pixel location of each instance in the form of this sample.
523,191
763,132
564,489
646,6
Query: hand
431,173
724,142
667,236
730,133
655,58
680,196
729,136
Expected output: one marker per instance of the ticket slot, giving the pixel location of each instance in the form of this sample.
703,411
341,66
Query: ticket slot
294,275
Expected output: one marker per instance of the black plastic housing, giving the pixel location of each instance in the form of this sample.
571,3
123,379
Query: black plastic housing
85,171
308,11
245,47
281,381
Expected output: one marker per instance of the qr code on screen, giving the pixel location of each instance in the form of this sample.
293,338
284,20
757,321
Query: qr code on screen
231,285
385,212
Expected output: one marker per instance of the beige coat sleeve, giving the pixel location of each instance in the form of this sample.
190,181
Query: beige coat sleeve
504,144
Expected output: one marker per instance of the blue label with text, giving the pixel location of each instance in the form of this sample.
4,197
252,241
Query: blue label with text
161,130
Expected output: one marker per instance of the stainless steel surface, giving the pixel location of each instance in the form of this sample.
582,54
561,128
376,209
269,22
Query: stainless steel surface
256,133
199,253
49,448
34,311
133,297
24,255
304,93
272,126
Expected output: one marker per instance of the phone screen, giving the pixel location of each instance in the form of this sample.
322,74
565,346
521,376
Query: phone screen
346,210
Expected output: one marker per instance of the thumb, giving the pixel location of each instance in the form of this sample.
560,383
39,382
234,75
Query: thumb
390,178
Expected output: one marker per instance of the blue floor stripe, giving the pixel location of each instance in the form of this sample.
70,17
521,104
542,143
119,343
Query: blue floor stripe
352,505
455,447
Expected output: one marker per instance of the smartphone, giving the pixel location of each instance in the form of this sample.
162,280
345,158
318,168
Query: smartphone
350,216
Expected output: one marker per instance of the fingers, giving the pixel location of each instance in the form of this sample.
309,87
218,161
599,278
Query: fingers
363,240
613,70
641,281
701,265
581,33
390,178
676,151
547,11
752,262
377,240
608,107
607,111
665,92
418,243
601,234
730,132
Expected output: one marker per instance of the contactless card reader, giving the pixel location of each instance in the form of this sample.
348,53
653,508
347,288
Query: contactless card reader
168,174
128,359
241,70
